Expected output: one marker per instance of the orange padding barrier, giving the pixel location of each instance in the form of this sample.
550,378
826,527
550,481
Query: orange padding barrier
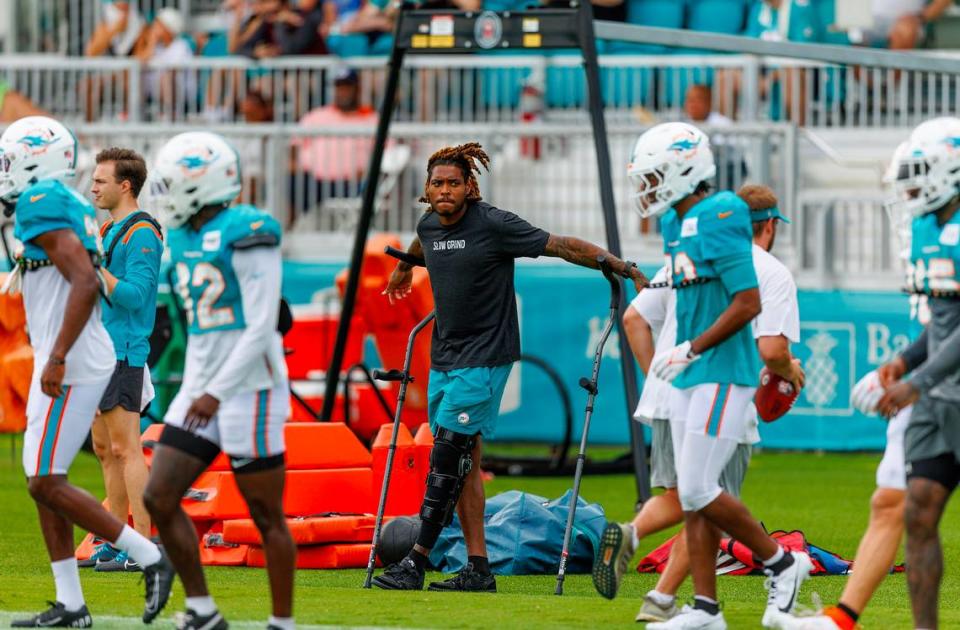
215,496
216,551
349,556
16,363
311,530
310,446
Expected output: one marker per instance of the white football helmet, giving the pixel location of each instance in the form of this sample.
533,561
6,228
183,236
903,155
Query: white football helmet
668,162
32,149
929,173
191,171
893,205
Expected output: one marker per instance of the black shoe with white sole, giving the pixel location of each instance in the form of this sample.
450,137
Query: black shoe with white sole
57,616
159,582
192,621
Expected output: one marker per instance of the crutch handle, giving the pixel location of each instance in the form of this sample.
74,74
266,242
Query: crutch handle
391,375
588,385
612,278
403,256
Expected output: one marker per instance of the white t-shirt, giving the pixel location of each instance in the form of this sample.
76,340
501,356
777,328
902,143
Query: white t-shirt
890,10
778,298
780,314
657,306
91,359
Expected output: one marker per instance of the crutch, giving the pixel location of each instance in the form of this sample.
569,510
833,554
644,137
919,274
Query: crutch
591,386
403,376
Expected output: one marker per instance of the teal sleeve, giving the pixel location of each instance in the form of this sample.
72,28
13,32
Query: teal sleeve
736,272
252,228
725,228
139,284
39,212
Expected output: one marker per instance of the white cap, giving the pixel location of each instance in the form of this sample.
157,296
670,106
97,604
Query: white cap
171,19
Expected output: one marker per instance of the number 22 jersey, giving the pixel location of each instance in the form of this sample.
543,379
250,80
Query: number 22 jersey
228,276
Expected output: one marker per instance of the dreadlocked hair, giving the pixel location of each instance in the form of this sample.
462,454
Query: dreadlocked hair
468,158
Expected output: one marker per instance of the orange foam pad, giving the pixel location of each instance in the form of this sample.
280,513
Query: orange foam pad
216,551
408,479
340,556
310,446
306,492
312,530
16,370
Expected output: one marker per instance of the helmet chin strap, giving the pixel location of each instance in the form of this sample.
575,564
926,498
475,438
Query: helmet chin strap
8,207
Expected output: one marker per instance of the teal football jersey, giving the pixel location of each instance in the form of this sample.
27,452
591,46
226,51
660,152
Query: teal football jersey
710,257
205,277
935,256
51,205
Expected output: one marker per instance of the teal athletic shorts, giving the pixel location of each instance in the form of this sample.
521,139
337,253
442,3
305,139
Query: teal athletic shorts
467,400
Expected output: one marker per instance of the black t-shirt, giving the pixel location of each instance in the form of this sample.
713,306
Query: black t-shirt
471,273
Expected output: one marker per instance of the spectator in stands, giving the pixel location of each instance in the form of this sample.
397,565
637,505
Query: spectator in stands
784,20
901,24
256,109
334,166
116,35
374,22
698,106
276,27
15,105
162,43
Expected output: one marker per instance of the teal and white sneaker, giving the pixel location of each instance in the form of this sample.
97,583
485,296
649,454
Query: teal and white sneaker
103,552
121,562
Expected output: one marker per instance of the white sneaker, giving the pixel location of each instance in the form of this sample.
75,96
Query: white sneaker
691,619
652,611
785,621
784,588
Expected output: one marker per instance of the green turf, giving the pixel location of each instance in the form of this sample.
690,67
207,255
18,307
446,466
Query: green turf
825,495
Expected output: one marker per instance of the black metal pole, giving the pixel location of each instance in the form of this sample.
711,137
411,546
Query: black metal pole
588,46
363,225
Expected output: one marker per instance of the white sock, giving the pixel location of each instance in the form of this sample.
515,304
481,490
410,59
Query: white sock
775,558
66,575
140,549
203,606
633,534
661,599
286,623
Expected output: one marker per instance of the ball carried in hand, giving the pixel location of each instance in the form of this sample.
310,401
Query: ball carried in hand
397,538
774,397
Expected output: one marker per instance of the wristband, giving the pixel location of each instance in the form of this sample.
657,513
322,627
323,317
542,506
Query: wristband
56,361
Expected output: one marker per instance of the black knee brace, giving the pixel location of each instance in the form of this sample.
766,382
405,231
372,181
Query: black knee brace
450,462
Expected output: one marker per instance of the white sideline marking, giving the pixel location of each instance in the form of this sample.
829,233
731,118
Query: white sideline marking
113,621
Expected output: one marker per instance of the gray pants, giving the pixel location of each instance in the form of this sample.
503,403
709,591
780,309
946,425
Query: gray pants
663,469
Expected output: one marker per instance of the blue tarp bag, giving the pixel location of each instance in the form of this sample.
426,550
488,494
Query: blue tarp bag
525,536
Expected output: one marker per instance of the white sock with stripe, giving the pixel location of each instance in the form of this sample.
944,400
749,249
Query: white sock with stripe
140,548
66,575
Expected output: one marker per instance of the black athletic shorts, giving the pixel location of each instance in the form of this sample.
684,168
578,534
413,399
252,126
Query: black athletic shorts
125,389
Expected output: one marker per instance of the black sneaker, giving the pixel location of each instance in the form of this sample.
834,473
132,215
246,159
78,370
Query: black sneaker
122,562
56,617
159,581
467,581
400,576
192,621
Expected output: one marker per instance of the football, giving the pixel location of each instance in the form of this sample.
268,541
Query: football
774,397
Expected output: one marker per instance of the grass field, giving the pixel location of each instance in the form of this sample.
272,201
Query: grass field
825,495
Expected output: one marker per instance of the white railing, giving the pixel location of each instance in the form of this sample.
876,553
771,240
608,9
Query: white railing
486,88
542,172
